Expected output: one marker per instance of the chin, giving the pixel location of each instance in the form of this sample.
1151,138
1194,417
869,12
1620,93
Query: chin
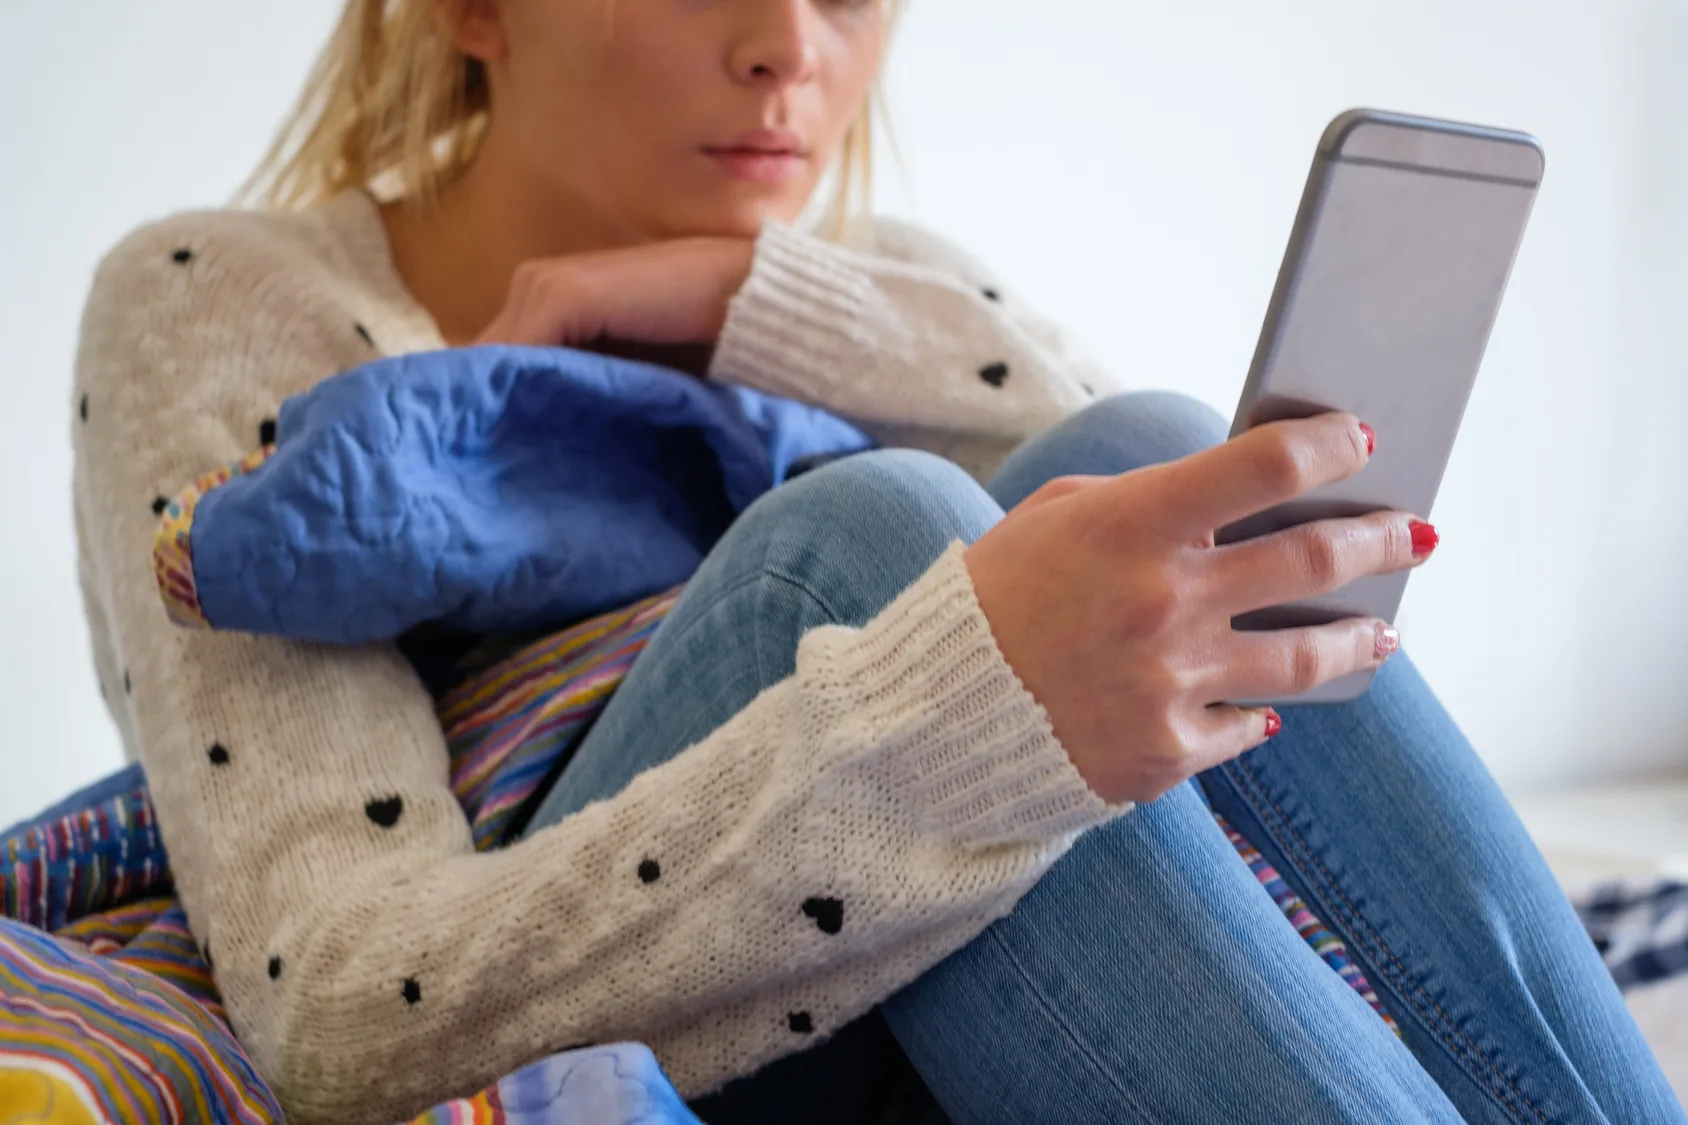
730,218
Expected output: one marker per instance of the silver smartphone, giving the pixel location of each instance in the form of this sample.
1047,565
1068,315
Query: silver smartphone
1389,289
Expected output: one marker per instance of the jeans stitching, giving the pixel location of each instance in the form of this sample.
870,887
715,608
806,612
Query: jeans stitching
1057,1017
1460,1044
1423,1002
762,573
801,587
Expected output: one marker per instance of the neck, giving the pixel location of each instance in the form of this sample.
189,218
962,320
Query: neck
457,258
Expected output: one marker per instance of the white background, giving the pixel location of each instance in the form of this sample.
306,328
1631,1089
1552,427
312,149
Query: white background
1131,167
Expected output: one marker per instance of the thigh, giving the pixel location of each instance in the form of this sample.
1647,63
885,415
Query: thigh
1382,818
1380,815
836,546
833,547
1148,977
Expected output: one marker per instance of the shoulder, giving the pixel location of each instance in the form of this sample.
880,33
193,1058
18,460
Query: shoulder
207,247
197,328
189,294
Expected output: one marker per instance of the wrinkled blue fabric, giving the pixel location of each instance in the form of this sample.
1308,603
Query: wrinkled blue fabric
490,489
616,1084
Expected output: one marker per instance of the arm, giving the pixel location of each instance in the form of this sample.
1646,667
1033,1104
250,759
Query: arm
900,328
375,968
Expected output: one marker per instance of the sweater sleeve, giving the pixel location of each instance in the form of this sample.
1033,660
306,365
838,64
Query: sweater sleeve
373,963
905,333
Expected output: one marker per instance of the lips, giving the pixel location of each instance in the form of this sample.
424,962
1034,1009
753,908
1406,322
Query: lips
761,156
761,142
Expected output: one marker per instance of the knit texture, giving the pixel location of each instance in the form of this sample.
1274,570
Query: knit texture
851,827
907,337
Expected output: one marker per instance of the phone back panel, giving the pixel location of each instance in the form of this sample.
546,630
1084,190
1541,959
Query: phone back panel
1394,276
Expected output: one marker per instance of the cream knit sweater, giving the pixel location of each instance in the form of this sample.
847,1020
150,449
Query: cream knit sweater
373,969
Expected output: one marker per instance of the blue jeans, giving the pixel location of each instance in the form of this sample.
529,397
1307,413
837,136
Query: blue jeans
1148,977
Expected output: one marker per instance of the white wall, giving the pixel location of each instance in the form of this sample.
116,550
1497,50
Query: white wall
1134,169
112,113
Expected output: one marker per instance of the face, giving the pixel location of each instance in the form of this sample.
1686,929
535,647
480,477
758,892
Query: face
668,118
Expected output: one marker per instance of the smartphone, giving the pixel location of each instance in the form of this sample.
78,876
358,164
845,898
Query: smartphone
1394,275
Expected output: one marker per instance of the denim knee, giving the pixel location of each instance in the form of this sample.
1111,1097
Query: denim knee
1113,435
1155,426
891,498
855,533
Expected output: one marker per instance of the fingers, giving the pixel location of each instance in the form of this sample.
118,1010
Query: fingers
547,305
527,316
670,292
1262,468
1281,663
1224,732
1278,665
1312,559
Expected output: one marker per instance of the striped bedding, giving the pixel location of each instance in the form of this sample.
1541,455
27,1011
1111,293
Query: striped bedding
109,1010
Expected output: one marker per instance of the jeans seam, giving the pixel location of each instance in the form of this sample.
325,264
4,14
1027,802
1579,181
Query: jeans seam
1460,1045
769,571
764,572
1057,1017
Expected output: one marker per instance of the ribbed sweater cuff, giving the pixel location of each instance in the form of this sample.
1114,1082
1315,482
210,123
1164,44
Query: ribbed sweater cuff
969,747
799,316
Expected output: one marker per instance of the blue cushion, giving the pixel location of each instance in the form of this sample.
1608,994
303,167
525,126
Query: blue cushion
490,489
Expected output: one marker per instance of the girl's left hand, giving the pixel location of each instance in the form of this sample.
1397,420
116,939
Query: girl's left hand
664,293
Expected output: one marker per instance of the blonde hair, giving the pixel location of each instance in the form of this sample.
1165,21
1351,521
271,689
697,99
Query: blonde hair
393,106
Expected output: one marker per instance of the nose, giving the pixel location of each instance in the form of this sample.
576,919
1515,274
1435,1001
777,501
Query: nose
775,43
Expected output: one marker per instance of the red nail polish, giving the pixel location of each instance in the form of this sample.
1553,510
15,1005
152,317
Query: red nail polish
1388,642
1425,538
1274,723
1371,438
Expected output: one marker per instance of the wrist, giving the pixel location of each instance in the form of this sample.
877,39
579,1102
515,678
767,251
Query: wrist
730,263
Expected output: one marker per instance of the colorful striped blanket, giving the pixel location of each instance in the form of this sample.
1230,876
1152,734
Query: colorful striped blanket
109,1012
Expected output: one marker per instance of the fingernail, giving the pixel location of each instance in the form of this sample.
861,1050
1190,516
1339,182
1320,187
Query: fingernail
1274,723
1425,538
1388,642
1371,438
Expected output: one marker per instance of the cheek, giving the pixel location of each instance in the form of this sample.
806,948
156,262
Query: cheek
850,63
588,66
549,82
635,87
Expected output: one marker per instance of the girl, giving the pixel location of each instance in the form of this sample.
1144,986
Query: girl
868,794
